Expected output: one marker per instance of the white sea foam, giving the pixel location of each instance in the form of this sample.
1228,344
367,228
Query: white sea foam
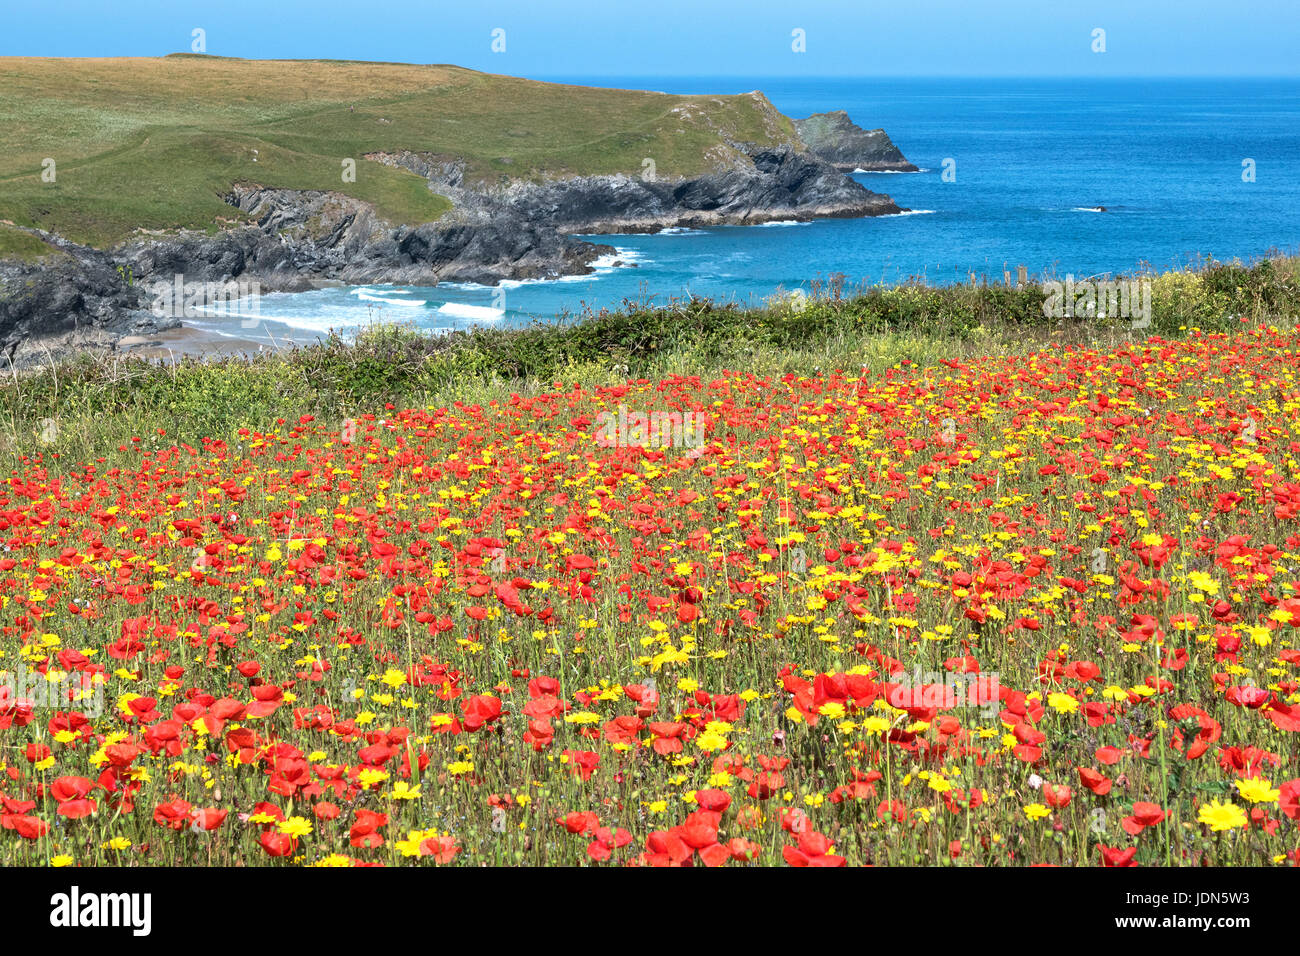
679,231
907,212
386,290
621,254
461,310
783,222
465,286
365,296
603,265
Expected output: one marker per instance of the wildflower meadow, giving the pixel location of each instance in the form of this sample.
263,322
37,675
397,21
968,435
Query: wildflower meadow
1036,608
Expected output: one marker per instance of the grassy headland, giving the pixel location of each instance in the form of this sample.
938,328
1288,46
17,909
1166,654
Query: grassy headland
153,143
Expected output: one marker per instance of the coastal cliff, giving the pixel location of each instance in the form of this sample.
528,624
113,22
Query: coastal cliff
487,202
760,185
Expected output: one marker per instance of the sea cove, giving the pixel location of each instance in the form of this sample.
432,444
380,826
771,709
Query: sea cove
1034,159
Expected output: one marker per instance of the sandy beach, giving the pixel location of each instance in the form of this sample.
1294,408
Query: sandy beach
190,341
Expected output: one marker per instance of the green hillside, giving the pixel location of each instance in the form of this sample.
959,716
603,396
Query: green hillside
153,143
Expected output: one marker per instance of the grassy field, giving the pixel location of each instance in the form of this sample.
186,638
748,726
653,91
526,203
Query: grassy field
929,580
154,143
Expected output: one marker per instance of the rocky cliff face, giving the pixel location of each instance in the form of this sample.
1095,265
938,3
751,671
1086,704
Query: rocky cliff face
300,237
295,239
836,139
70,302
767,185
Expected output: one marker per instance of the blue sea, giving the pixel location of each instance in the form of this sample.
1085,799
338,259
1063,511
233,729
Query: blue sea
1032,159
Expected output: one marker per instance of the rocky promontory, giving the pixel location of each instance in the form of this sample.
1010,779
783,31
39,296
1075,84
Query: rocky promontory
835,138
764,185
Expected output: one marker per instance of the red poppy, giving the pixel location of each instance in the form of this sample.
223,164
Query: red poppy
1144,815
208,819
1117,856
174,814
277,844
1096,782
813,849
480,710
1057,797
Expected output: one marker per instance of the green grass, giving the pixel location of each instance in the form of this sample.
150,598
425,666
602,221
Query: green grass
16,244
155,143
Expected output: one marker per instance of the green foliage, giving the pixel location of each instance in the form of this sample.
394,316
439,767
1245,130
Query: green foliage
23,246
100,405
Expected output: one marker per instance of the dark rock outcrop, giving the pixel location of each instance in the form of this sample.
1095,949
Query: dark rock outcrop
767,185
87,299
301,237
69,302
835,138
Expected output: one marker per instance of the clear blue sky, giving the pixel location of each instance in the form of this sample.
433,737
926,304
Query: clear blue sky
695,37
